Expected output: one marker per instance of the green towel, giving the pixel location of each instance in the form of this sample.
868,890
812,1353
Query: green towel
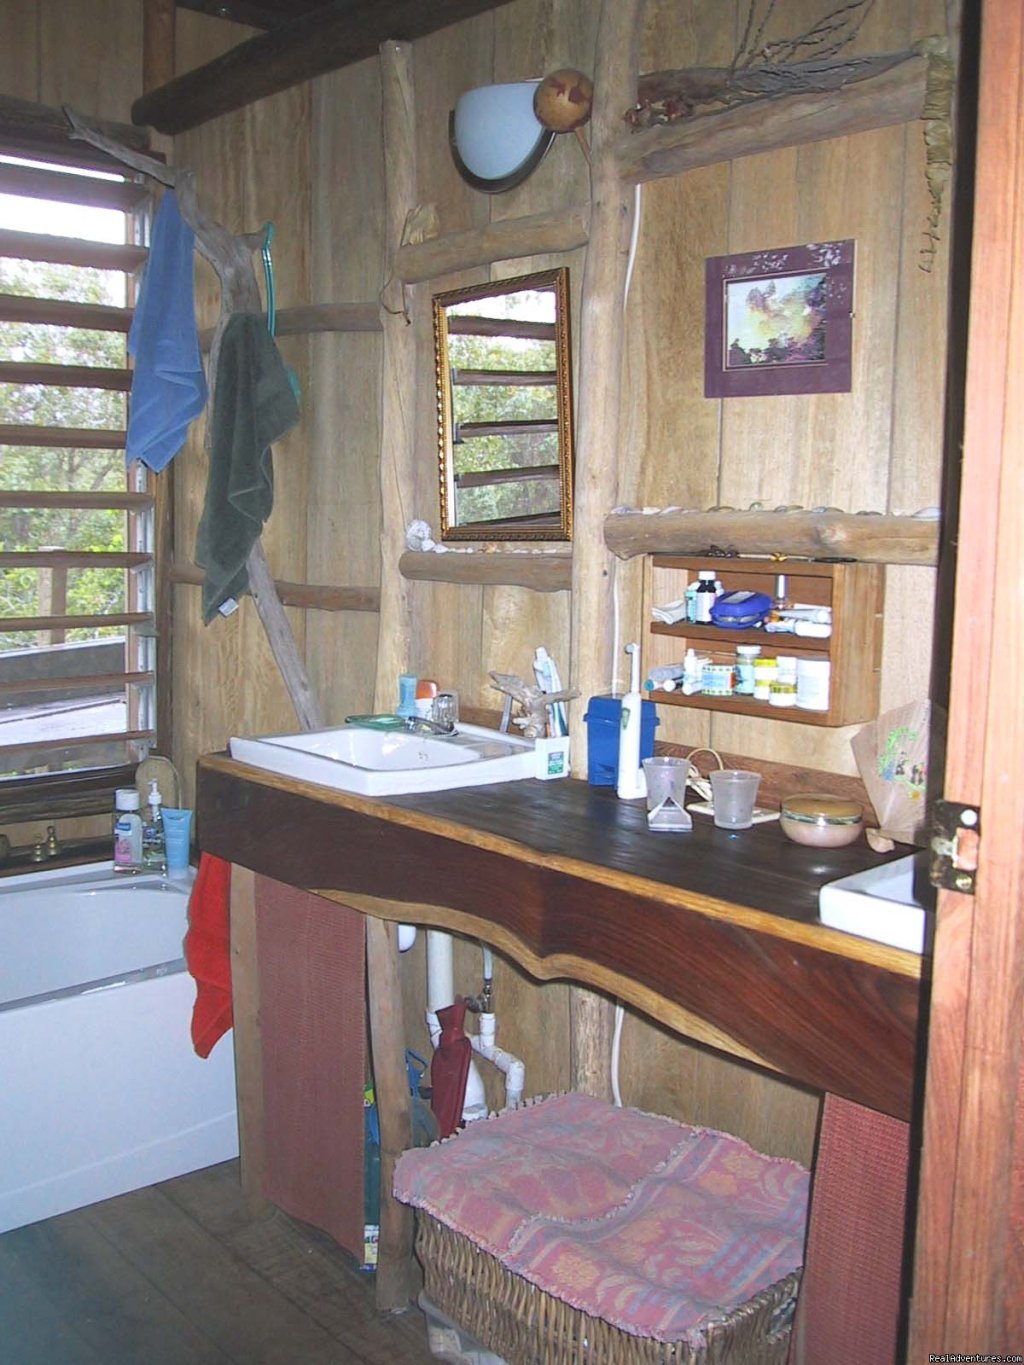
253,406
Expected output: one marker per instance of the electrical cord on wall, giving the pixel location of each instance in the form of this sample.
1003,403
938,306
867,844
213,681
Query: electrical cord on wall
634,239
620,1012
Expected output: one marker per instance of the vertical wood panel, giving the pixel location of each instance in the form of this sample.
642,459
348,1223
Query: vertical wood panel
90,56
19,52
343,513
251,166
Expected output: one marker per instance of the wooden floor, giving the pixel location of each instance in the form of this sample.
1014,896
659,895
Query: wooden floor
181,1274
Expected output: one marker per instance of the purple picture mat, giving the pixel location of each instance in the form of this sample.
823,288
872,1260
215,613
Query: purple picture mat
833,374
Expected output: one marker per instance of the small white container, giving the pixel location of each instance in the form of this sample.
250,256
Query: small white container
552,757
813,677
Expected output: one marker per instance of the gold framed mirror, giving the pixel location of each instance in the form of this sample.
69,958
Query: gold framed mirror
504,402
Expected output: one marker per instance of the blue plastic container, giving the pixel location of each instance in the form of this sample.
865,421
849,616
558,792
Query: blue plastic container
604,721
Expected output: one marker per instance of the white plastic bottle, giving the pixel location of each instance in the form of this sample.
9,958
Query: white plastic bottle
693,673
154,848
631,780
127,831
707,591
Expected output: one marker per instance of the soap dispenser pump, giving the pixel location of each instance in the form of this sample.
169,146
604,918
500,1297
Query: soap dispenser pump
631,780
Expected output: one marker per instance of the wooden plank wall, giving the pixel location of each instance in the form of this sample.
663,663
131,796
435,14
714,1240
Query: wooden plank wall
252,166
311,160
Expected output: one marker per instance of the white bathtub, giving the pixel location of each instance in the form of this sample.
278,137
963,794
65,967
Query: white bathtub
100,1090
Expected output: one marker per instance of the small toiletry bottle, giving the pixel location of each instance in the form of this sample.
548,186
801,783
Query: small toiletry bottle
154,849
693,672
426,691
127,830
406,695
765,673
690,599
707,591
746,655
783,689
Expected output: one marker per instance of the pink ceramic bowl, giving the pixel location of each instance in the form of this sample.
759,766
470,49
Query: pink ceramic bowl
820,820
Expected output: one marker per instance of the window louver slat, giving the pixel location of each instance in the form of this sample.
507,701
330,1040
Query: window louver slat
78,652
95,317
65,376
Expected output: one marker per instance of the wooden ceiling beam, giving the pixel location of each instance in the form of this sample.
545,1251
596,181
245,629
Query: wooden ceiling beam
265,14
338,35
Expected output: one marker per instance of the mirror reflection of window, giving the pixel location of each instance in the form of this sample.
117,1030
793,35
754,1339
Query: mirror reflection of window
505,407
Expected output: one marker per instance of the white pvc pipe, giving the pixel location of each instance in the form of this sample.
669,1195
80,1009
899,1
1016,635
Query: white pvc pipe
512,1068
440,971
441,992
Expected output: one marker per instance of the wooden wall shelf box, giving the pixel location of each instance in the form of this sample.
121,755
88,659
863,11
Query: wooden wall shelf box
853,591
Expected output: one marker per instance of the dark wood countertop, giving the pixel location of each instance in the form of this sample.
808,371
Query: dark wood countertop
714,934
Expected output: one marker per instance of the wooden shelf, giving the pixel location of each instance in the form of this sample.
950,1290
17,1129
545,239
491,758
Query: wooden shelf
854,592
896,95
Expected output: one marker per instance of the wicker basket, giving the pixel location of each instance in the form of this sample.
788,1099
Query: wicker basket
527,1326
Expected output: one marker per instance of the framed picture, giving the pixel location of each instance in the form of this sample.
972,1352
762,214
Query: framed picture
779,321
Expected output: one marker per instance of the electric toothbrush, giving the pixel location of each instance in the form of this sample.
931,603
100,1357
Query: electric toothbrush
631,780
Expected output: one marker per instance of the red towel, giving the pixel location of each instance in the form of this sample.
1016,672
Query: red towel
208,951
850,1297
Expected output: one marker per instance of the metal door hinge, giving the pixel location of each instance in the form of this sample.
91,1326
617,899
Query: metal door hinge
954,846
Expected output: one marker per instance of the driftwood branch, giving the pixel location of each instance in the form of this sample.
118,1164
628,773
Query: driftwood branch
665,96
231,257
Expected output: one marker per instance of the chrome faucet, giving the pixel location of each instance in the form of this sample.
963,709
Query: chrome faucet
421,725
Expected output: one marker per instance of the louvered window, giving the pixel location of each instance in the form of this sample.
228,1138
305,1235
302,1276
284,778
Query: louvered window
77,587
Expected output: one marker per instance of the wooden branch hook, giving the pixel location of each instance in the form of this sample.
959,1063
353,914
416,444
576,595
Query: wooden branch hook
231,256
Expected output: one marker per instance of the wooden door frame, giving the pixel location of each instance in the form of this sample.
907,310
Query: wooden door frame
968,1282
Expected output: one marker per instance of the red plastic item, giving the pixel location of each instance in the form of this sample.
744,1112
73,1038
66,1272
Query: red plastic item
449,1068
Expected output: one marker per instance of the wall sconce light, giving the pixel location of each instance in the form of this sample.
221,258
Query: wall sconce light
496,139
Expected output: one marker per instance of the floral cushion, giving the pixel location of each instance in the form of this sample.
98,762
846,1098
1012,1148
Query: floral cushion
657,1227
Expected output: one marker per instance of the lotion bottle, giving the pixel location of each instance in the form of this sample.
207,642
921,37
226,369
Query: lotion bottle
154,848
127,831
631,780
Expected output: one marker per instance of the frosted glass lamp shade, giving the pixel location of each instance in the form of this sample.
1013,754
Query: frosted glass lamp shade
496,138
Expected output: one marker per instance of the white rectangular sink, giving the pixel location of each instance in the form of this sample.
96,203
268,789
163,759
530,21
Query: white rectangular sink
882,903
372,762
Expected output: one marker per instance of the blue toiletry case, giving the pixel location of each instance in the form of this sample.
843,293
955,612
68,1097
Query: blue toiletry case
740,610
604,722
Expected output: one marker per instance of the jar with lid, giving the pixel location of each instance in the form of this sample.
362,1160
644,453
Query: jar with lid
782,692
707,591
765,673
746,656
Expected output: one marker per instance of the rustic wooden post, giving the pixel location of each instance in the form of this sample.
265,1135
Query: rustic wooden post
397,470
597,437
158,56
391,1086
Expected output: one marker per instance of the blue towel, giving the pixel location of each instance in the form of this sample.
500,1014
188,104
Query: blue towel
168,386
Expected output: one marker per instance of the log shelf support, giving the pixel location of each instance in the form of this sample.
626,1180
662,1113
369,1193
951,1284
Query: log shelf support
868,537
